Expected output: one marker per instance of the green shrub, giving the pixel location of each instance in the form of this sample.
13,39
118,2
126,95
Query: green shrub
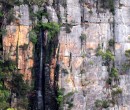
52,28
91,63
4,105
116,92
127,53
111,42
69,95
105,104
18,85
4,95
98,103
83,54
114,73
60,96
111,6
59,99
15,83
109,81
23,102
10,109
99,51
36,2
107,56
125,67
14,2
83,37
3,32
10,16
39,14
90,11
1,14
102,103
33,37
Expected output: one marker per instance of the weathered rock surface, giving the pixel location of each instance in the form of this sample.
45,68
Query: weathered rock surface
82,73
16,43
100,26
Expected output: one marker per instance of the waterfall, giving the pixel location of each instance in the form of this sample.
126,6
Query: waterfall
40,105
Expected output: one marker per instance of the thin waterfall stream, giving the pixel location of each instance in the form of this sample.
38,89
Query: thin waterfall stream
40,76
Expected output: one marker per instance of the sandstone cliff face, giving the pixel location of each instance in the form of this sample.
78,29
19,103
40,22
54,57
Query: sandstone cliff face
16,43
82,73
99,25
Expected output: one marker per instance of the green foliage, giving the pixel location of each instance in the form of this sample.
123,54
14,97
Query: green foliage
33,37
1,14
15,83
30,2
114,73
39,14
4,95
111,6
59,99
13,2
36,2
23,102
127,53
107,56
4,105
10,109
3,32
91,62
19,86
111,42
6,68
10,16
52,28
102,103
109,81
105,104
99,53
69,95
83,37
125,67
90,11
83,54
117,91
98,103
60,96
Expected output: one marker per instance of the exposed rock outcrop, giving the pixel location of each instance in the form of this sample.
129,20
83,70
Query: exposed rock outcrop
82,74
16,43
